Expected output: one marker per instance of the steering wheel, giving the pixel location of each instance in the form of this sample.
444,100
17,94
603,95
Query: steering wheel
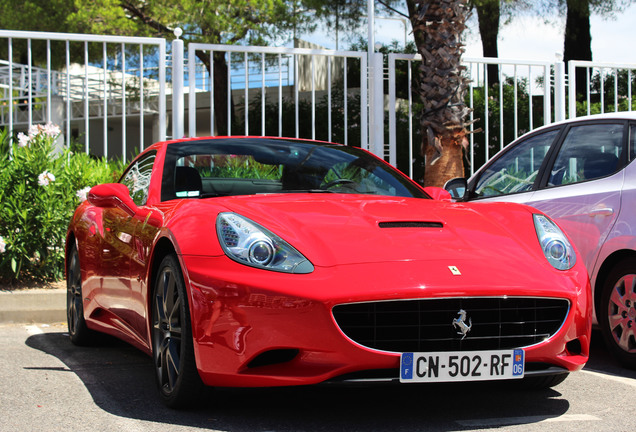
338,182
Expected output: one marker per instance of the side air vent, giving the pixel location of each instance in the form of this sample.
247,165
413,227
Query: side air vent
411,224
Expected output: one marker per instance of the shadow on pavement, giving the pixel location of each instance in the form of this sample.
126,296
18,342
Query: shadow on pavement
602,361
121,382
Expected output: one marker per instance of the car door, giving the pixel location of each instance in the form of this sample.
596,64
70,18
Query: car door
582,183
121,256
579,182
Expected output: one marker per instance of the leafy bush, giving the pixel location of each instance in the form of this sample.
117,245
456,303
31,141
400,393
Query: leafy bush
40,187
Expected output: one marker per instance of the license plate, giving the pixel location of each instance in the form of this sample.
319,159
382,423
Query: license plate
462,366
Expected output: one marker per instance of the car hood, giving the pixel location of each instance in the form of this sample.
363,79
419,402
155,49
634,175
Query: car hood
335,230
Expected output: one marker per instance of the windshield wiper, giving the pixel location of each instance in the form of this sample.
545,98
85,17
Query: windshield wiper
306,191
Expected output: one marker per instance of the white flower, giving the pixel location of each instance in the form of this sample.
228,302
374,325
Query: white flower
3,245
34,130
51,130
45,178
83,193
23,140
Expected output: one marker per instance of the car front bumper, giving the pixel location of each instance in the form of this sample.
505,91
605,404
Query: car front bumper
256,328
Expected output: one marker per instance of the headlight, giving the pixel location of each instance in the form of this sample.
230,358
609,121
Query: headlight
249,243
556,247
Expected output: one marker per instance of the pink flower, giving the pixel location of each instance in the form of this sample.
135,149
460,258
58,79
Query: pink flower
3,245
45,178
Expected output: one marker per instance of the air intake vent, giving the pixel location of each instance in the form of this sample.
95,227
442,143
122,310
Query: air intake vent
427,325
411,224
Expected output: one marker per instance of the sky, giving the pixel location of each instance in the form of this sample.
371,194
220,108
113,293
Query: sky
528,38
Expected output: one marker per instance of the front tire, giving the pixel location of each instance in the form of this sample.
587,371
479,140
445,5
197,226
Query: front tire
617,312
172,344
78,331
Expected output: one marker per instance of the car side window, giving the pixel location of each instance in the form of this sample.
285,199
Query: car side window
632,143
588,152
137,178
516,170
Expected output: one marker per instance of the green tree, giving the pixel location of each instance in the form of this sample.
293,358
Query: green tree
204,21
339,15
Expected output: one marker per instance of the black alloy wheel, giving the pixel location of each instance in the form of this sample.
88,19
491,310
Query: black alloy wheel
79,333
172,345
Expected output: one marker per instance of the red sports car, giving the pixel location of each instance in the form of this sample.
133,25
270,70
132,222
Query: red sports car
251,261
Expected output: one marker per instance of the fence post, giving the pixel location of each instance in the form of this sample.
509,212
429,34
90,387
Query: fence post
178,127
559,89
376,107
572,88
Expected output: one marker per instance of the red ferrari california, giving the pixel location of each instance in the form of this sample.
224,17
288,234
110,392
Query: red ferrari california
250,261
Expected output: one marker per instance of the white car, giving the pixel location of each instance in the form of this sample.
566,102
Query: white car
581,173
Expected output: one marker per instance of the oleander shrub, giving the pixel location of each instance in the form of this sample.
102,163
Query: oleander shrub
40,187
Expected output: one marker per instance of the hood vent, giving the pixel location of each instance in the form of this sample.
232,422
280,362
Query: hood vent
411,224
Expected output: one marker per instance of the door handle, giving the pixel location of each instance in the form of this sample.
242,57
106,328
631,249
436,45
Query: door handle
602,211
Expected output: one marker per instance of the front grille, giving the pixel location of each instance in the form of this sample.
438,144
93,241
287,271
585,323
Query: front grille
427,325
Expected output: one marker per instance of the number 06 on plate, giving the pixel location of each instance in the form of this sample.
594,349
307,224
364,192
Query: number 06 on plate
462,366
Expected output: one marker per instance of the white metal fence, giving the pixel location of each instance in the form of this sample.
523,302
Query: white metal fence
91,85
111,95
266,88
607,87
519,98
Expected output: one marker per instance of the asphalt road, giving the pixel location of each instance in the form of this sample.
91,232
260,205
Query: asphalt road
50,385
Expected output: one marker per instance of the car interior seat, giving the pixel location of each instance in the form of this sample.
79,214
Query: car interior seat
187,179
599,164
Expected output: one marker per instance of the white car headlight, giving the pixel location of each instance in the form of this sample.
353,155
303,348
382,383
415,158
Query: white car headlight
556,247
249,243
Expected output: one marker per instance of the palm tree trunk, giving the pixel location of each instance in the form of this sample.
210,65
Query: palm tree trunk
438,26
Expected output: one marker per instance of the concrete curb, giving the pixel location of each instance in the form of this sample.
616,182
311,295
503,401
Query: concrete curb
45,306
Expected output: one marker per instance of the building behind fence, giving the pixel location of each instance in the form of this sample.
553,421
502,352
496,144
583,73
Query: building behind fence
113,96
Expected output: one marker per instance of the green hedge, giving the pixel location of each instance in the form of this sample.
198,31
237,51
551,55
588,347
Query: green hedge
40,187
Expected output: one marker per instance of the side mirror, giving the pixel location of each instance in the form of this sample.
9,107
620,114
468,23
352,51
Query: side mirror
112,195
457,187
438,193
109,195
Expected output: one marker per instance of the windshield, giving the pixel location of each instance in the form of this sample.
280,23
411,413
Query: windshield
246,166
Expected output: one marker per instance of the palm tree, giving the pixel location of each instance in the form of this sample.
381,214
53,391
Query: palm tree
437,27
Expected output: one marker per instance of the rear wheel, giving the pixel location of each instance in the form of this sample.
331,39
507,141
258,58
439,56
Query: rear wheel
617,312
172,345
77,329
